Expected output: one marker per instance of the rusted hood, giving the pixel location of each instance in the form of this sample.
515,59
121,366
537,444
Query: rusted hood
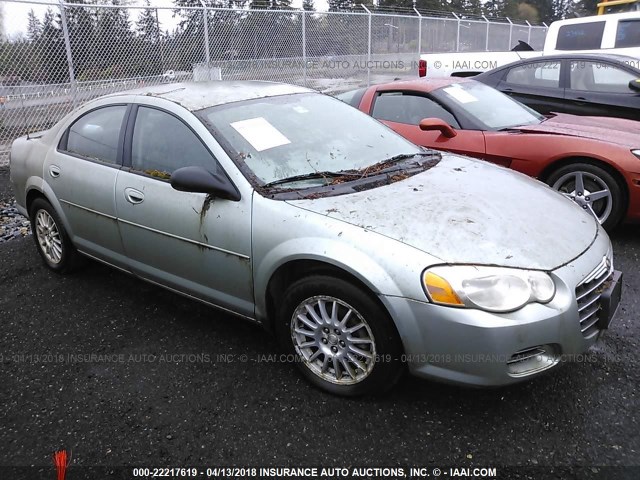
614,130
469,211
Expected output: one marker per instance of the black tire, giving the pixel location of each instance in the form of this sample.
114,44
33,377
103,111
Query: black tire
618,200
69,258
379,374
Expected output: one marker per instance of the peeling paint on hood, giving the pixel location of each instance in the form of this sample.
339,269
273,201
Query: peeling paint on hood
469,211
613,130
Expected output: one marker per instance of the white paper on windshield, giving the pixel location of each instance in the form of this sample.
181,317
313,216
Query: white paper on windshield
260,133
461,95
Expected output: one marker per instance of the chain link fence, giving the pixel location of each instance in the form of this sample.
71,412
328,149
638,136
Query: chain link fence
56,56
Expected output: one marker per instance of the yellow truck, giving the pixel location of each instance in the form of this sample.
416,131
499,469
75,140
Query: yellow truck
618,6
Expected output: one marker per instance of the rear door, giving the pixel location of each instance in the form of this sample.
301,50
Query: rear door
188,241
82,173
536,84
403,111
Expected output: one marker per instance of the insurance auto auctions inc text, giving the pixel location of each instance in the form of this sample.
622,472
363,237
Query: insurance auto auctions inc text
376,472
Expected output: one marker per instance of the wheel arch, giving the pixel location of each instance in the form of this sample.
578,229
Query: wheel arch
34,192
293,270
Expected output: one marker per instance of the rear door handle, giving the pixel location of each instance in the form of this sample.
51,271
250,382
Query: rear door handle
54,171
133,196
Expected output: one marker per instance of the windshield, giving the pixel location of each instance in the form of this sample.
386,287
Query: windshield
492,109
302,134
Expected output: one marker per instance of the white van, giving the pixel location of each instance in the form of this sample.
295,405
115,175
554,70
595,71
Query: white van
613,33
617,33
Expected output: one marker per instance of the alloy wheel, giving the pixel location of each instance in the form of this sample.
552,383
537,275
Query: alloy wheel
48,237
587,190
333,340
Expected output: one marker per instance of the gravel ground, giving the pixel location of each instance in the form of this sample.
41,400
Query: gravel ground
178,383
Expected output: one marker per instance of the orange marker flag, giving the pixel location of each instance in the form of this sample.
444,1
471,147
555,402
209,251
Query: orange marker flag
61,463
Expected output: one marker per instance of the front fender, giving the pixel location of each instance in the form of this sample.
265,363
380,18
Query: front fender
333,252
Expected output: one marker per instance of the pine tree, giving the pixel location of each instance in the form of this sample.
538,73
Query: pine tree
147,25
308,5
52,51
34,27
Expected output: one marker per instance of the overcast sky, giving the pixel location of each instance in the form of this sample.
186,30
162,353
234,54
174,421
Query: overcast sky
15,14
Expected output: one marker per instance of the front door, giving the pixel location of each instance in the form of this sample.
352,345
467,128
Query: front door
188,241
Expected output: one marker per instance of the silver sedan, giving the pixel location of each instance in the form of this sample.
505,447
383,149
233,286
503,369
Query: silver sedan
364,254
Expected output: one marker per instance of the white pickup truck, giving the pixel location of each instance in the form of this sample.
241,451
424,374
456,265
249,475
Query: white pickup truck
613,33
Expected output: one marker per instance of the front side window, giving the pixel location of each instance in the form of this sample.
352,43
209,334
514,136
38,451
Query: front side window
410,109
628,34
486,106
96,134
580,36
539,74
162,143
599,77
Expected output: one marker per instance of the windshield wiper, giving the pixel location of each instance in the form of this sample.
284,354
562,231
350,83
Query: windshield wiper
364,172
380,167
313,175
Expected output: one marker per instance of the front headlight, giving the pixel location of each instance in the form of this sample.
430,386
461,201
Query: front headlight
636,152
494,289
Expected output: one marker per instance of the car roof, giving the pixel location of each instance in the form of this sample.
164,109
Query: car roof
422,84
198,95
629,62
609,17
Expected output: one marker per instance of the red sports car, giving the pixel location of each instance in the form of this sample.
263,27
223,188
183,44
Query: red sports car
595,161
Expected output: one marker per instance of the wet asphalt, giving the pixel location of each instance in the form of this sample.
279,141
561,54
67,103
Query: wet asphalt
173,382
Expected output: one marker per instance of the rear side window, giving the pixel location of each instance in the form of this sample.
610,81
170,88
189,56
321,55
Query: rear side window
581,36
628,34
409,109
95,135
540,74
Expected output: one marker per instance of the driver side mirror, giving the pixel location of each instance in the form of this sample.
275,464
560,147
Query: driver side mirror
635,84
445,129
200,180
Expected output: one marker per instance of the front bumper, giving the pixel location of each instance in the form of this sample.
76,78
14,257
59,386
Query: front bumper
473,347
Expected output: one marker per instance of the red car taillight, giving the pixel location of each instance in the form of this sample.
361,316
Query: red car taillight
422,68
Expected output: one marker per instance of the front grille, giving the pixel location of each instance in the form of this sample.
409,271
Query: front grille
588,295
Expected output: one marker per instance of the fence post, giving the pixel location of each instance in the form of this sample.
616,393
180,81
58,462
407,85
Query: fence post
419,29
368,47
486,40
457,32
160,43
304,46
67,46
529,36
510,33
205,13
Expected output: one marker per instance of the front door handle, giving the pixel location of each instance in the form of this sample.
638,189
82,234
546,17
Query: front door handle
133,196
54,171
